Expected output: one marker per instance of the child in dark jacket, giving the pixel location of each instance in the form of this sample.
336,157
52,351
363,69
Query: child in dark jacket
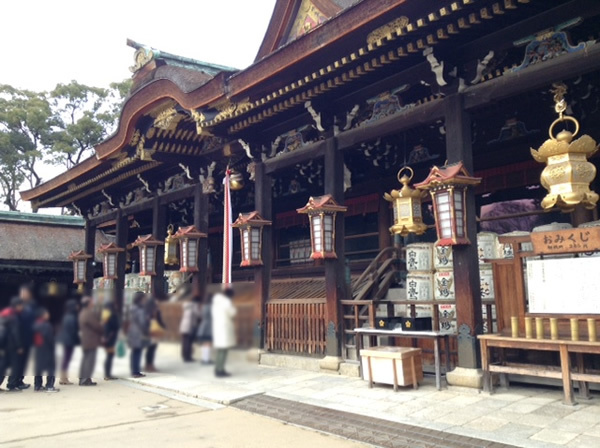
45,362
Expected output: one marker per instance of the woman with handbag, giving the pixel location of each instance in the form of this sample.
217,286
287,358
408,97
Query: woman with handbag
157,331
138,334
110,322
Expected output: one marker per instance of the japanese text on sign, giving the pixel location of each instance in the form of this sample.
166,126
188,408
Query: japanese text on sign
565,241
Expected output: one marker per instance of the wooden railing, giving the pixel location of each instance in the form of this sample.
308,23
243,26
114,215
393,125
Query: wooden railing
296,326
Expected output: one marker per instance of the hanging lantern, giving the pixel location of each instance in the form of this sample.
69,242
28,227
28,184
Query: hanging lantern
171,244
251,226
568,173
236,181
110,252
406,202
147,245
321,213
79,260
189,241
53,288
448,187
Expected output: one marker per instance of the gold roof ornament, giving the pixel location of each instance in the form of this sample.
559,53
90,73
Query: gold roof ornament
568,173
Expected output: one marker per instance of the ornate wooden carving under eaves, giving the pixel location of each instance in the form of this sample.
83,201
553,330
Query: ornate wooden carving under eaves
395,26
167,119
199,118
547,44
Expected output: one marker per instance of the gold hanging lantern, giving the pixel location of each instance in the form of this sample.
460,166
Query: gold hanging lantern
171,246
568,173
236,181
406,203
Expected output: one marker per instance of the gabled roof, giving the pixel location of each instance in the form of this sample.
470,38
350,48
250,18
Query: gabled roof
455,173
294,18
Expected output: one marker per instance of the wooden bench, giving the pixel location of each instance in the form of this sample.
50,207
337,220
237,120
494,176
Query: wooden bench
563,347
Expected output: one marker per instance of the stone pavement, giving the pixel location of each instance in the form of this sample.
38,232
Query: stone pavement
520,416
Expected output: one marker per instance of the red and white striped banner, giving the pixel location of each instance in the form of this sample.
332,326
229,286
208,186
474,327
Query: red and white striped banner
227,231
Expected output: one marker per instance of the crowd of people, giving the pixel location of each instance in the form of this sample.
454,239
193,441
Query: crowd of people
25,326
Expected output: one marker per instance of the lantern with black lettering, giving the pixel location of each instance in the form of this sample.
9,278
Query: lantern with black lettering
189,242
322,212
147,246
251,227
110,252
448,187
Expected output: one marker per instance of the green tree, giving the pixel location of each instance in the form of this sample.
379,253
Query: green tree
60,128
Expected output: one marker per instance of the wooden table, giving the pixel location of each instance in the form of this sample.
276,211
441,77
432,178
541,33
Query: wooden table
563,347
434,335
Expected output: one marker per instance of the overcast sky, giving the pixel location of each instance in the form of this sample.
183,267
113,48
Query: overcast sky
44,42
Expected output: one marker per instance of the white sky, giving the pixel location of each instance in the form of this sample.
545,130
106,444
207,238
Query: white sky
44,42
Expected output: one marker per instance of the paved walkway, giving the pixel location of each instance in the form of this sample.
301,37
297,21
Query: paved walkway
520,416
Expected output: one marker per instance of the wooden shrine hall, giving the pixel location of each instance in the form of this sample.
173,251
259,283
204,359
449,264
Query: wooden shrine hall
341,96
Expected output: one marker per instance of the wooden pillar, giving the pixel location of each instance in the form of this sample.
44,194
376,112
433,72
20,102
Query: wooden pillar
90,248
159,230
335,282
201,223
262,274
466,263
119,283
581,215
383,223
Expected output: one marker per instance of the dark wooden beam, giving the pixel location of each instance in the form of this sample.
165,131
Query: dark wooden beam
534,77
424,114
201,223
466,262
335,282
309,152
90,249
262,275
159,230
119,283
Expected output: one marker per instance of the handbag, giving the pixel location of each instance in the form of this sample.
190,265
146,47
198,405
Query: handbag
121,349
156,330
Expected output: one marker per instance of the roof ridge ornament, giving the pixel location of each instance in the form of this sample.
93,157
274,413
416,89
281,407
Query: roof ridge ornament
142,56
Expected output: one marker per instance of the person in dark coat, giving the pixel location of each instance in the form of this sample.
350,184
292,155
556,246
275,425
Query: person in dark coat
13,345
69,338
110,321
91,331
204,334
153,312
3,337
27,319
138,334
45,361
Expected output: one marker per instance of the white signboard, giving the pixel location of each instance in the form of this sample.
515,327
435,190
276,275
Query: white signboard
564,285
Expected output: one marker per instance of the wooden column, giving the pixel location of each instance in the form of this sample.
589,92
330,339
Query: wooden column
262,274
335,282
201,223
383,223
159,230
466,263
119,283
90,248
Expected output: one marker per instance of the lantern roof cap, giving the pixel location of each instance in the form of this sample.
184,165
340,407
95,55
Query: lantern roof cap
453,174
251,218
189,232
110,248
147,240
79,255
324,203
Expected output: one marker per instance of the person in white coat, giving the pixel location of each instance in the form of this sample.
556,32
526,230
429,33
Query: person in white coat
223,329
